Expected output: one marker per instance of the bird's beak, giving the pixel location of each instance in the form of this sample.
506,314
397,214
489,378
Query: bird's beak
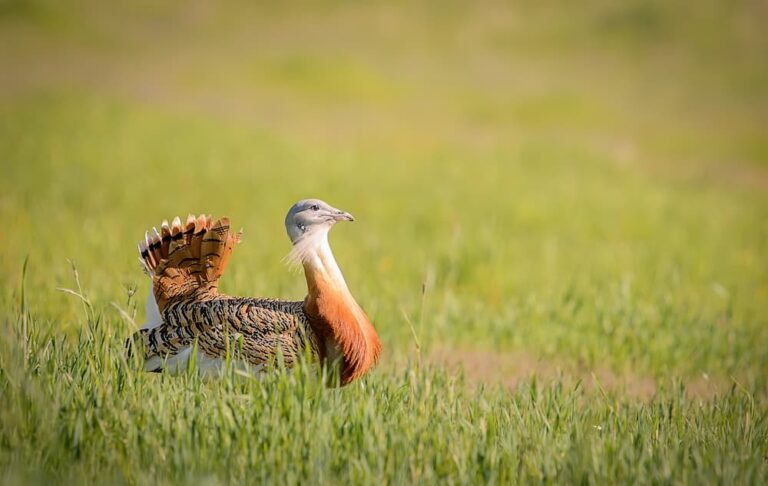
340,215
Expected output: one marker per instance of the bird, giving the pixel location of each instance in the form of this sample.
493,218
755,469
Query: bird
187,317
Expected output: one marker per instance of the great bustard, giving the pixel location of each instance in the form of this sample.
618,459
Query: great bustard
185,311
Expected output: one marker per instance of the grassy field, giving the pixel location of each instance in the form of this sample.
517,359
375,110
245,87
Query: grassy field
561,236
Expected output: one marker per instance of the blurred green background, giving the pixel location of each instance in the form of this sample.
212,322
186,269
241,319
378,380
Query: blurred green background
539,186
567,200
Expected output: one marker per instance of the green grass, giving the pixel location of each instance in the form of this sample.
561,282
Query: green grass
569,201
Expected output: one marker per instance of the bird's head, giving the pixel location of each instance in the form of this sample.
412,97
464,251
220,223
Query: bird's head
310,218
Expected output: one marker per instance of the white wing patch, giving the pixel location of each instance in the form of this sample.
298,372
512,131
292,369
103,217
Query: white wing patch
152,312
205,366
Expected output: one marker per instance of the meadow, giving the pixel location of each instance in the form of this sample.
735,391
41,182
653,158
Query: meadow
561,236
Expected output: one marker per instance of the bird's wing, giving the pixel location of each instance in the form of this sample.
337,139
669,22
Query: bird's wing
256,329
186,262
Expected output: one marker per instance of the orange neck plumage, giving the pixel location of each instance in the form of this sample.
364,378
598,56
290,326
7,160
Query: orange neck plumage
336,317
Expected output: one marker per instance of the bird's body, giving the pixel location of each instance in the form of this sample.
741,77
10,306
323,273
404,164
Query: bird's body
190,316
256,328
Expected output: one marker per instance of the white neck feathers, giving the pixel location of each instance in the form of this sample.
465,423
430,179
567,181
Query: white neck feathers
314,253
338,315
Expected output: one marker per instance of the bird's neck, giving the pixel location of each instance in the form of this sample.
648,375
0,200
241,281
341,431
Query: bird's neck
336,316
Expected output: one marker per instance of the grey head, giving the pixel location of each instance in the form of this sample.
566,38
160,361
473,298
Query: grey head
311,216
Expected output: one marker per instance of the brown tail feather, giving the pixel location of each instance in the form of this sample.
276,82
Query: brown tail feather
187,260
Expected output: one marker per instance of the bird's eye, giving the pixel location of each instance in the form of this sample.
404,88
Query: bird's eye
314,207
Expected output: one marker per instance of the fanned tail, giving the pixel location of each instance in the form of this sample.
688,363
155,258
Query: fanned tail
186,261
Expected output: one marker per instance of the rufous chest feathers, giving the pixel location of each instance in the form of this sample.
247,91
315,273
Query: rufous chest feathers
337,317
